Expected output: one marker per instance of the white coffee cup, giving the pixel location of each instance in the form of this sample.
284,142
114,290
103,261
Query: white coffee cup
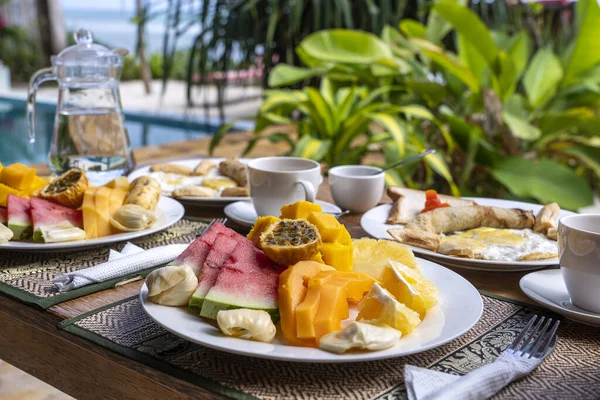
355,188
579,251
277,181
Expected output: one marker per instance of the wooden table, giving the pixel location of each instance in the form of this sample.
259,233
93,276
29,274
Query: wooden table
30,340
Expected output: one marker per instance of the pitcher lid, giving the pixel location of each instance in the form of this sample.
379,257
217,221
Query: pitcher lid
86,52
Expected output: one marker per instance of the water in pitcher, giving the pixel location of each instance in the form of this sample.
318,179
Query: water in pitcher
94,140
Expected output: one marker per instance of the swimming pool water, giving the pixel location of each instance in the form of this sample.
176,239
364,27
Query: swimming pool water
143,131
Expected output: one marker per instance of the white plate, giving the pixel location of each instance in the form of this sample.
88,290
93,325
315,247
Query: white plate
192,163
548,289
373,222
168,213
460,307
243,212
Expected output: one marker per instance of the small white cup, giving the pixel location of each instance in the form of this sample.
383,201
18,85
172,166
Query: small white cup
354,187
277,181
579,251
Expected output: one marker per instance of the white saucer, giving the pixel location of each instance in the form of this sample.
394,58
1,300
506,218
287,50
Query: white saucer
548,289
243,212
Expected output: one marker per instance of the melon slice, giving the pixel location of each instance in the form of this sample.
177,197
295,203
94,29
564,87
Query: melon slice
195,254
217,256
46,214
19,217
248,280
3,215
102,207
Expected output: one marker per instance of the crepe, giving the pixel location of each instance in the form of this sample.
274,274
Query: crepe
409,203
416,237
552,233
204,168
464,248
538,256
452,219
546,217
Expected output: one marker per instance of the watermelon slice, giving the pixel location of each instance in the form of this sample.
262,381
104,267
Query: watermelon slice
218,255
19,217
46,214
3,215
195,254
248,280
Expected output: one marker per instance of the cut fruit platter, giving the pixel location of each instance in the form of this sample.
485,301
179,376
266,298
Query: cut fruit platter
40,214
299,288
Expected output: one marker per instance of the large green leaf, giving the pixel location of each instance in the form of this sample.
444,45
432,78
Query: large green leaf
438,164
320,112
519,51
469,25
520,127
273,138
544,180
542,77
394,127
506,77
463,133
284,74
412,28
438,27
469,55
586,53
583,119
432,92
310,147
588,155
455,68
344,46
277,98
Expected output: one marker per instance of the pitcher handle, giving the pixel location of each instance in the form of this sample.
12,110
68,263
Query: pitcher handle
43,75
309,190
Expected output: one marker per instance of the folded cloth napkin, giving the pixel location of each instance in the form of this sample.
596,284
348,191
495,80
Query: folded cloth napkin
132,259
482,383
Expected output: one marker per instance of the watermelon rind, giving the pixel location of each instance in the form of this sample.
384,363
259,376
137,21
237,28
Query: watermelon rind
196,302
21,231
214,303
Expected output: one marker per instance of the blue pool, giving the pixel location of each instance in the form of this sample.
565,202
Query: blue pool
144,129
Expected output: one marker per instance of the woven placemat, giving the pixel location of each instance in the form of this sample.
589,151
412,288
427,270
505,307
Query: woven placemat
570,372
28,276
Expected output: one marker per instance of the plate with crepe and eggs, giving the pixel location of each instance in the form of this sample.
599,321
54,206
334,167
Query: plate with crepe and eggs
472,233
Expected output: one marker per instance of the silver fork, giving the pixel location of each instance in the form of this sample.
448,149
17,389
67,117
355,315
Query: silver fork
534,343
211,223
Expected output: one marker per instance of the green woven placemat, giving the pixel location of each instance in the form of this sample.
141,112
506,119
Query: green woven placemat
570,372
27,276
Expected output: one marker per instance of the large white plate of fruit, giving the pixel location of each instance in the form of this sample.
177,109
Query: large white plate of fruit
66,213
298,288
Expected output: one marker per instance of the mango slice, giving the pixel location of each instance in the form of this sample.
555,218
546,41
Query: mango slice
292,291
90,217
5,191
329,227
300,209
102,203
18,176
261,225
326,302
339,256
115,201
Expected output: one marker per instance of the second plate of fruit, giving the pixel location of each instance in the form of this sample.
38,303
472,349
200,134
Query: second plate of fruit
67,213
298,288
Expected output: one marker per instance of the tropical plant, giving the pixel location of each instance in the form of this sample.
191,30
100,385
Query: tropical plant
521,123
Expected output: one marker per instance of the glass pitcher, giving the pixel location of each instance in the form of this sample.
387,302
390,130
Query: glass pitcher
89,127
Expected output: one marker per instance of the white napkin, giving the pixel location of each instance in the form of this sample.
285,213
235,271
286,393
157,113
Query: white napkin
482,383
132,259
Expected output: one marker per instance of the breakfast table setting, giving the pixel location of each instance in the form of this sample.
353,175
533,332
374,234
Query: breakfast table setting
81,316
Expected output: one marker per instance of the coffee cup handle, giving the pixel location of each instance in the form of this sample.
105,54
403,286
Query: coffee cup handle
309,190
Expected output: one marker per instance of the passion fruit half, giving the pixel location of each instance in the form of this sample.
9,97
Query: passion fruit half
289,241
68,189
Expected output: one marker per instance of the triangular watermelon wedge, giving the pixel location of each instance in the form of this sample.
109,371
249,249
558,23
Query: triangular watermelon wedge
248,280
19,217
46,214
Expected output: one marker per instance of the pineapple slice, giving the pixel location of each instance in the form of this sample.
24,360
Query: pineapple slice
379,307
371,256
423,287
